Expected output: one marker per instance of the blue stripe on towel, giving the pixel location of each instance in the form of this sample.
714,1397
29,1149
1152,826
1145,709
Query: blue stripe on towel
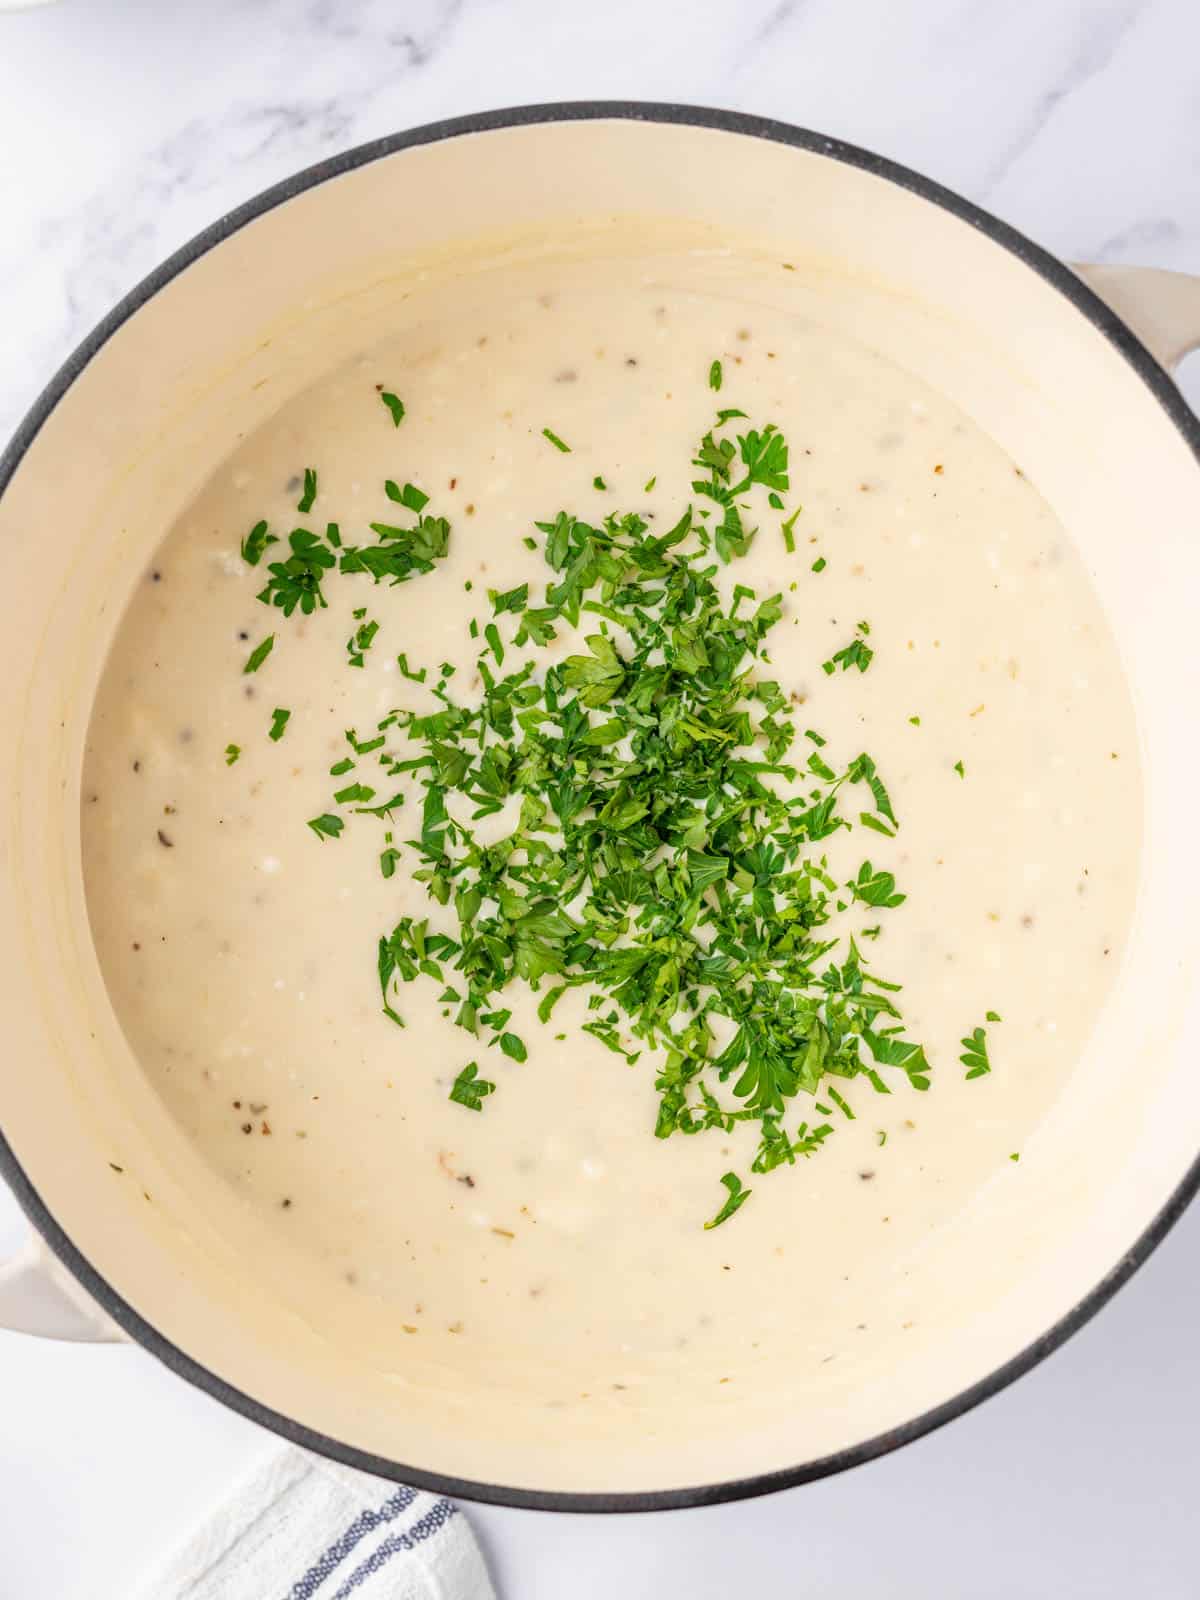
366,1522
424,1528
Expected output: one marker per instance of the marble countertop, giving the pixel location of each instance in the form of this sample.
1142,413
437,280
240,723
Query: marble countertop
125,126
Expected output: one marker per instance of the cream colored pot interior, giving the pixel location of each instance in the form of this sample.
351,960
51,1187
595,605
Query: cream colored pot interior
214,353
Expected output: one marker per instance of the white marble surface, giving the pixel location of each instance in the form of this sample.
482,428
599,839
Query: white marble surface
125,125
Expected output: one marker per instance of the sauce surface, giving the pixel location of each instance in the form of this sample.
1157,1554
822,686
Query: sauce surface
239,949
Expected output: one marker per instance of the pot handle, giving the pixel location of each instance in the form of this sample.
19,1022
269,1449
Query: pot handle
1162,308
39,1296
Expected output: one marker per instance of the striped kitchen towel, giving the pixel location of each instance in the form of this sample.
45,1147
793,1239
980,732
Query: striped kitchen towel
299,1528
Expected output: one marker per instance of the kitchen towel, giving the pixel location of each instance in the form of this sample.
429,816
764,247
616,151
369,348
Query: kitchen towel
299,1528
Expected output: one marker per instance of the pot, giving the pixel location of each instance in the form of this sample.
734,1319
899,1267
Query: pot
1064,368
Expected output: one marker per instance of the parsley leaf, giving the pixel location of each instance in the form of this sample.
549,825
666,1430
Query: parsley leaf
360,641
469,1089
789,538
255,542
410,497
875,888
259,654
326,827
856,654
975,1053
297,581
395,405
512,600
736,1197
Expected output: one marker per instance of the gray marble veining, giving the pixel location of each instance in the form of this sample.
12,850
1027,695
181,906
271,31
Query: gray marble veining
162,117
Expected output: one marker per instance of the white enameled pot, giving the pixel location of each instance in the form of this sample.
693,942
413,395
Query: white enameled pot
1064,368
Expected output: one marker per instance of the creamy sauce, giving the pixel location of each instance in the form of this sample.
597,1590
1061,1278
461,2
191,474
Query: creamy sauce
239,949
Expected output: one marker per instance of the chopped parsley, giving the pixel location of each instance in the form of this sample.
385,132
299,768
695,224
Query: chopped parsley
395,405
511,600
326,827
975,1053
297,581
715,376
559,444
399,553
279,721
663,841
653,863
469,1089
410,497
736,1197
361,640
232,752
259,654
960,769
857,653
789,538
255,542
308,497
820,564
874,888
